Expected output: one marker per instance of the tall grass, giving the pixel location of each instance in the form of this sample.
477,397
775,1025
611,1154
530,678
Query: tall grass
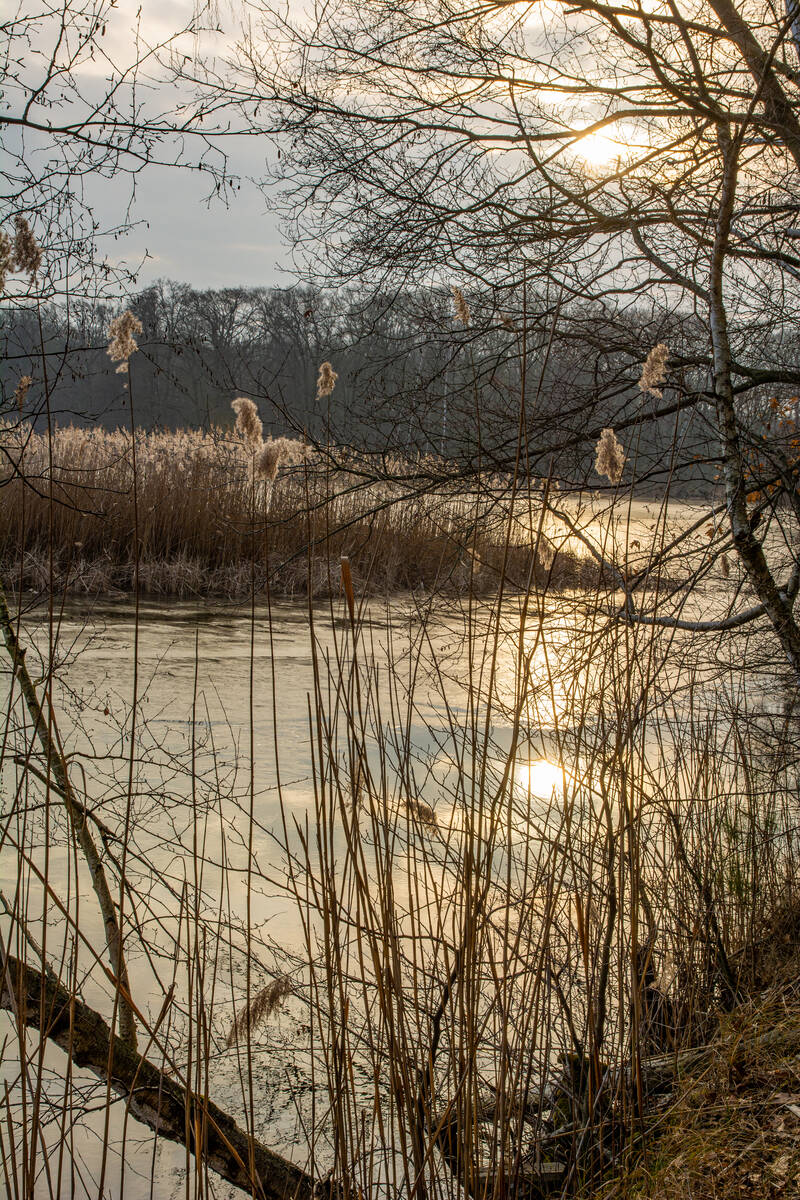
208,526
541,854
512,958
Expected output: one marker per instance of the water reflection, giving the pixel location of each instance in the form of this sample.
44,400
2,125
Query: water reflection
540,778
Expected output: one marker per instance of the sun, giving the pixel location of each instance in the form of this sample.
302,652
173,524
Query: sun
599,149
611,146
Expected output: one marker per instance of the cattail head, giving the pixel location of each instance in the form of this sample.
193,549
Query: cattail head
6,259
248,422
326,380
609,456
27,255
460,305
654,371
725,566
21,391
122,342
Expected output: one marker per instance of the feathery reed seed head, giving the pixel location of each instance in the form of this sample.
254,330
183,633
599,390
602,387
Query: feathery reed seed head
654,371
122,342
268,460
609,456
460,305
27,255
248,422
6,259
275,453
326,380
263,1005
21,391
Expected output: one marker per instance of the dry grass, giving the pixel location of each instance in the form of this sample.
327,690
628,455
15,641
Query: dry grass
731,1128
208,526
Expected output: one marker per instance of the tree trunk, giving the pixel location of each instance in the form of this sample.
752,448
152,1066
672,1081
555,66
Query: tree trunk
776,606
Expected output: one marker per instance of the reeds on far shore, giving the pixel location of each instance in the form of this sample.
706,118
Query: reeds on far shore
211,523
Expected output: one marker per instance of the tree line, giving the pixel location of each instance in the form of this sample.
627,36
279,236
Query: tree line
413,379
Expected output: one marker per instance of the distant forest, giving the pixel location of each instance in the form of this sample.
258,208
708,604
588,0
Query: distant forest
412,379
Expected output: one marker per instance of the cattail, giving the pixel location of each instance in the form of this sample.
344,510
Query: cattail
326,380
262,1006
6,259
122,341
725,566
654,371
610,457
27,255
248,422
460,305
21,391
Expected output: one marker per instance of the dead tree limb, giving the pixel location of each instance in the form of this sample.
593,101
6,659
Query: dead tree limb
158,1100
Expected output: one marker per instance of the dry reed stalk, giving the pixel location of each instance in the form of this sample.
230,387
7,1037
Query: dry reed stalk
500,969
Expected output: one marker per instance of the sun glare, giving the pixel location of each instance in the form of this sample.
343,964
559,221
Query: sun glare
605,148
599,149
540,777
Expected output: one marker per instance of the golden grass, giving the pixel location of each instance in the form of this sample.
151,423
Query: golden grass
208,526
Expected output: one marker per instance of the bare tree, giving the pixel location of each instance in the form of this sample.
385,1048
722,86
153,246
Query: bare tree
636,167
82,106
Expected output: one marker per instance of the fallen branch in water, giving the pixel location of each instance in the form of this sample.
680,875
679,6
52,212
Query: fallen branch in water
163,1103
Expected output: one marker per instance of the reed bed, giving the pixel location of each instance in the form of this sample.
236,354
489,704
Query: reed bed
207,525
532,870
524,965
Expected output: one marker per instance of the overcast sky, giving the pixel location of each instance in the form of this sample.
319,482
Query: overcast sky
183,236
206,245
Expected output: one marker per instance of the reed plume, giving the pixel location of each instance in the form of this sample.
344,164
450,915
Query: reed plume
268,460
262,1006
248,423
23,254
122,342
610,457
277,452
6,259
21,392
654,371
460,305
27,255
326,380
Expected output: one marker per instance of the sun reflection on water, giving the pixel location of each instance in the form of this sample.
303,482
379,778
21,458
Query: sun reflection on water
541,778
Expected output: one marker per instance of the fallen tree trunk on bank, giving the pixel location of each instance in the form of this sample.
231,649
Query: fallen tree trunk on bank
166,1106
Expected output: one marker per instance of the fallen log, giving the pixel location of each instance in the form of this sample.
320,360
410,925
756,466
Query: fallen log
166,1106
